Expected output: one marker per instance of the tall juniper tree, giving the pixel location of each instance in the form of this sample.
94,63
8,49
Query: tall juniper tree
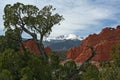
31,20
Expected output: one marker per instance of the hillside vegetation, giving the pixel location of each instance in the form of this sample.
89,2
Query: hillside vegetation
22,64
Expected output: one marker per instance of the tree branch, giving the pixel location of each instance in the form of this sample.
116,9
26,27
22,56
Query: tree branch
84,65
22,25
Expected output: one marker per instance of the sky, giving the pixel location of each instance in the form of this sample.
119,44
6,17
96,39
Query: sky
82,17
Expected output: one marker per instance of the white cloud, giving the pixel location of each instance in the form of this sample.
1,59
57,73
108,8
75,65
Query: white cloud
78,14
81,17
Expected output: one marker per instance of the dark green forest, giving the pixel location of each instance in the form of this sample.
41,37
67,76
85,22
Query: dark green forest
24,65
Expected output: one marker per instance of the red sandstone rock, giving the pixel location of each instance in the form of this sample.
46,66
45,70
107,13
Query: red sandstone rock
32,46
48,50
73,53
102,42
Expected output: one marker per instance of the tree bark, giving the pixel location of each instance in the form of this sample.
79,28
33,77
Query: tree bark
42,49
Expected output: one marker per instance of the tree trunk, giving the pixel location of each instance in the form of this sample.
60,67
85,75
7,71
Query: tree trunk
23,47
41,48
39,44
41,39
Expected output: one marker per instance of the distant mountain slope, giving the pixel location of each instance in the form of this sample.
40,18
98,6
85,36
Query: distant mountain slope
63,42
60,45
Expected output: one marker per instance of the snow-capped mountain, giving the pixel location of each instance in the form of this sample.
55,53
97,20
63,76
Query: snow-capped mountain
63,42
65,37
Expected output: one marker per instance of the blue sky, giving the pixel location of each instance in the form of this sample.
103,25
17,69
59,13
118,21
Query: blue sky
82,17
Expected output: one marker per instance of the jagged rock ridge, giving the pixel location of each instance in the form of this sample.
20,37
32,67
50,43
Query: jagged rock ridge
102,42
32,46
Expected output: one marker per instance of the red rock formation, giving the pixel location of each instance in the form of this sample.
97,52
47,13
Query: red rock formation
73,53
102,42
32,46
48,50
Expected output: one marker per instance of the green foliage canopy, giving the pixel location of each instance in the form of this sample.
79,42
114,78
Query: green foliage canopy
30,19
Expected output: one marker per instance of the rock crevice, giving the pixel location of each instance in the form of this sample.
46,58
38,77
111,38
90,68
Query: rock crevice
102,42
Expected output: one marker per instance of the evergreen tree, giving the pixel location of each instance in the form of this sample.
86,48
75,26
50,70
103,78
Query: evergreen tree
31,20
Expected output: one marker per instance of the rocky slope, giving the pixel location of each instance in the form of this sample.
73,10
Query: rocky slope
32,46
102,42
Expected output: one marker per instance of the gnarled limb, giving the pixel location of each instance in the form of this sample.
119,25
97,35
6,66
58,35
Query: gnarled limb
84,64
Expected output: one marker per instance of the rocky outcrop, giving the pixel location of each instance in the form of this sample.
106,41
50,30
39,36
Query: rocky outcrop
48,50
102,42
32,46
